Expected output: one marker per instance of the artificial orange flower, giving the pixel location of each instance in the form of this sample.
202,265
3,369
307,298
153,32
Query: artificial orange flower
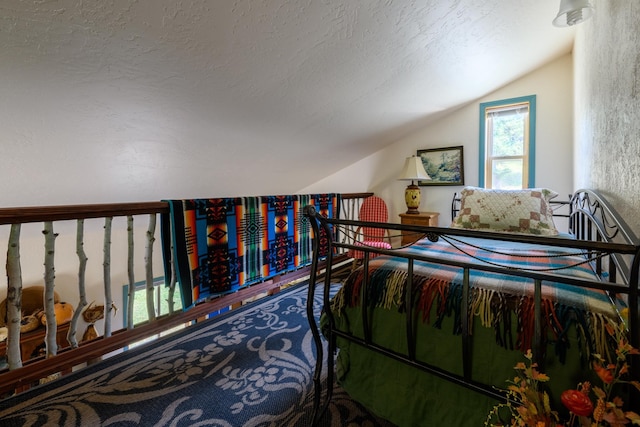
577,402
536,375
605,374
521,366
624,369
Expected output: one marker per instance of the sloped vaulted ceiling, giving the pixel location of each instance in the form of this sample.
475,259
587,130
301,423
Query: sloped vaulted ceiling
152,91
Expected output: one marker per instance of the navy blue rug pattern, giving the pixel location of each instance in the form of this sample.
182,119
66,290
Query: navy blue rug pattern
249,367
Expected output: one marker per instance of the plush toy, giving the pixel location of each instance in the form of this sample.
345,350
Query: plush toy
32,302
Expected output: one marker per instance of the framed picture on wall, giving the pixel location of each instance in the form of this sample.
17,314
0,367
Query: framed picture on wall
445,166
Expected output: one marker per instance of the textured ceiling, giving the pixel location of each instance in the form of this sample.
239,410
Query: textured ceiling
268,80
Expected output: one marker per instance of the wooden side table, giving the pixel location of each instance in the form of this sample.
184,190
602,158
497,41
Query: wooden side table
425,219
30,341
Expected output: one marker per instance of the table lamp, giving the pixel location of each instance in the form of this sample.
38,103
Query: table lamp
413,171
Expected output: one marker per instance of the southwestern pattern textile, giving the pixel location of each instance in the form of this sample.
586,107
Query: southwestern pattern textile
494,296
223,244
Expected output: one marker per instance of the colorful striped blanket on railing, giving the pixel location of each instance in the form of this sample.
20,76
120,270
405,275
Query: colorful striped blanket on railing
494,297
222,244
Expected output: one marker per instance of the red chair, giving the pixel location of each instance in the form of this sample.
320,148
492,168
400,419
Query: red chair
373,209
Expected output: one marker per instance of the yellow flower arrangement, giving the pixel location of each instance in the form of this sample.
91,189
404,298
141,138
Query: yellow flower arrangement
527,406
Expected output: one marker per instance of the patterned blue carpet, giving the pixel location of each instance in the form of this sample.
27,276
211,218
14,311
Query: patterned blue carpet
249,367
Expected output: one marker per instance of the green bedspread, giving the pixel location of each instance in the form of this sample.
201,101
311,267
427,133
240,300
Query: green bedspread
500,335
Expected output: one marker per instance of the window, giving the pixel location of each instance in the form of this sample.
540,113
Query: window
161,298
160,301
161,305
507,143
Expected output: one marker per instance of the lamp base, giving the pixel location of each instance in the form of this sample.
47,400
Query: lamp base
412,199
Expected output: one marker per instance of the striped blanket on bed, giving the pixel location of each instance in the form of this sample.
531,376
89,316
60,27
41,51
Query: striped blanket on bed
223,244
494,296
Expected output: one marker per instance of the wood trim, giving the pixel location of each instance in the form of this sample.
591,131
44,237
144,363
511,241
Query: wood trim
347,196
22,215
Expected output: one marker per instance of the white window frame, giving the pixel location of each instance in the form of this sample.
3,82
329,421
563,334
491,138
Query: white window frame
529,143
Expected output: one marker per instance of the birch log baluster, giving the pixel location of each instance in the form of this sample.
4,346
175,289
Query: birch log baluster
14,298
106,272
49,283
82,302
172,284
132,282
148,264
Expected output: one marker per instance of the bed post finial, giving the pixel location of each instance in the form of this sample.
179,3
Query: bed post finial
309,210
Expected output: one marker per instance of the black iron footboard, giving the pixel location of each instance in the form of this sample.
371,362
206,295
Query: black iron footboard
612,248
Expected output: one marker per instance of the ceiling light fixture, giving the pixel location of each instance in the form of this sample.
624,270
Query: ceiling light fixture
573,12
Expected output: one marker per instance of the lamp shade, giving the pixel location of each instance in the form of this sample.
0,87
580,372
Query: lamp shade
573,12
413,170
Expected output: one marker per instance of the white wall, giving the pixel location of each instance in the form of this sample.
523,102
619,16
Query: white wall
607,125
553,86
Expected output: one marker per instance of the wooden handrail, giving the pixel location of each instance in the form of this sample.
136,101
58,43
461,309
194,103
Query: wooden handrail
23,215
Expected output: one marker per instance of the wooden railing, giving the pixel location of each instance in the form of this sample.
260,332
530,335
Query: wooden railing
19,375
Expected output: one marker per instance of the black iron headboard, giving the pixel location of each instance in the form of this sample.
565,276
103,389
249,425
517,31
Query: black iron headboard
455,205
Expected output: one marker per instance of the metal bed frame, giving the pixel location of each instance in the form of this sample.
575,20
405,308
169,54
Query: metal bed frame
592,221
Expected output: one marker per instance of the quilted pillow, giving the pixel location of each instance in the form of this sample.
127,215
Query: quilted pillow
516,211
